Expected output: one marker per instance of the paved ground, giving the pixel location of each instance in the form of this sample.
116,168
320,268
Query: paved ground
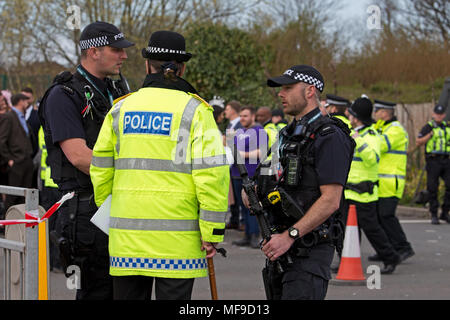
424,276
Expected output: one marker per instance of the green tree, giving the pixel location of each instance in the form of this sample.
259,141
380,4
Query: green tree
227,62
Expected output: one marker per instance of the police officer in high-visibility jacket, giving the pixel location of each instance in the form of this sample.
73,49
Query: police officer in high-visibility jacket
436,136
362,183
160,155
392,175
336,107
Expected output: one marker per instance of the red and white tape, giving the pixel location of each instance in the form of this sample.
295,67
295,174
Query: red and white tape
32,218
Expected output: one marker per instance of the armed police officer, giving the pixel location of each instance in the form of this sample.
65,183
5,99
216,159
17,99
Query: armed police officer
72,112
310,188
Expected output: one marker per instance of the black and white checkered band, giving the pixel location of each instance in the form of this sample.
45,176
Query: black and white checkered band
305,78
95,42
336,102
100,41
163,50
382,106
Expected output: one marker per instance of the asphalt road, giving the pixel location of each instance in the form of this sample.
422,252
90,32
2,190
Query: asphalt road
423,276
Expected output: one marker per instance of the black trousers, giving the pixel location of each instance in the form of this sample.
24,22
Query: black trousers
140,288
390,224
90,246
368,221
19,175
438,168
307,277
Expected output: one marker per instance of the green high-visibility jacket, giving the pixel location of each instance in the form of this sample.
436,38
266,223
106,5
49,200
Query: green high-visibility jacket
393,157
364,167
440,141
45,173
160,155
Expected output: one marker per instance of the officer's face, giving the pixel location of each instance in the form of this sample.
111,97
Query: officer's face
293,98
438,117
110,60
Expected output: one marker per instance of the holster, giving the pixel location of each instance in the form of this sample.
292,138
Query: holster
362,187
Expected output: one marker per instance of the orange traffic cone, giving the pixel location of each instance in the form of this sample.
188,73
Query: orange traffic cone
350,269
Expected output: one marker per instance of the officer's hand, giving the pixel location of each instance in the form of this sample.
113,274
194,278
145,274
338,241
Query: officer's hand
245,199
209,247
277,246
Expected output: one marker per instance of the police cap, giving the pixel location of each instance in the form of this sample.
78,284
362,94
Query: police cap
378,104
362,109
299,73
337,101
100,34
166,46
439,109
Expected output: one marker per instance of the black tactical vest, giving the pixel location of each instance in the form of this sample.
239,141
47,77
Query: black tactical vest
76,86
299,179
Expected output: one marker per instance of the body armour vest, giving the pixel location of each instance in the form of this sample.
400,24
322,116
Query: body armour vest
94,109
299,179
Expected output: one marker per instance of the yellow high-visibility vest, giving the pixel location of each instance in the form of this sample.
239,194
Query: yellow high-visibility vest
364,167
393,158
160,155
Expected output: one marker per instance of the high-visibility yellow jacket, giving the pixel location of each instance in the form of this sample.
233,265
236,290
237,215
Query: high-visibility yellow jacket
45,173
364,168
440,141
160,155
343,119
393,156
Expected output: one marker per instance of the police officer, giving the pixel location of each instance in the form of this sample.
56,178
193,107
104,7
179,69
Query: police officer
362,185
72,112
160,155
392,175
311,182
436,136
336,107
264,117
278,119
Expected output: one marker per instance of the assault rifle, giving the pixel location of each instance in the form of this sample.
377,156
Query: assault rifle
257,209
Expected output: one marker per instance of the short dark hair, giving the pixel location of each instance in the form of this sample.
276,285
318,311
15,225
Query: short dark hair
236,105
16,98
250,108
28,90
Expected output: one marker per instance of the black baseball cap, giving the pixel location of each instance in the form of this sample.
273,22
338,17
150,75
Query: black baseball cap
439,109
299,73
100,34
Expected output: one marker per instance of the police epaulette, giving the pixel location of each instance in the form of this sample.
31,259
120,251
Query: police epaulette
122,97
68,89
201,99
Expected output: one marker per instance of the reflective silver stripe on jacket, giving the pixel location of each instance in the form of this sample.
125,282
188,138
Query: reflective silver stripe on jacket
184,131
103,162
153,224
212,216
151,164
116,116
364,146
391,176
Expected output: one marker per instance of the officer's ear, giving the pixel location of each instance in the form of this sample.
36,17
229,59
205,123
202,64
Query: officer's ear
182,70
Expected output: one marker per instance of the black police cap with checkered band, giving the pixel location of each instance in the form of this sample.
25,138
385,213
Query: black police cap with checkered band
100,34
166,46
299,73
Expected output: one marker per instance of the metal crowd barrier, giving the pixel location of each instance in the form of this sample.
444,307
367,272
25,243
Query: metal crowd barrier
28,251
